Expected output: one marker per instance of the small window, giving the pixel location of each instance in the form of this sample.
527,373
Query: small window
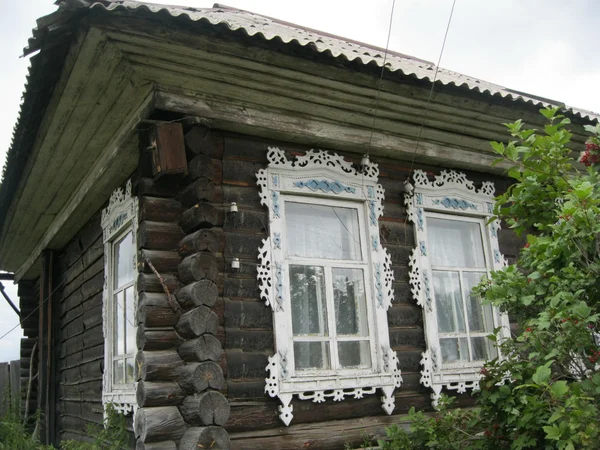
457,247
328,280
119,221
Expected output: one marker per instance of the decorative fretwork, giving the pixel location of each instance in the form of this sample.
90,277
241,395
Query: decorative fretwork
448,191
324,175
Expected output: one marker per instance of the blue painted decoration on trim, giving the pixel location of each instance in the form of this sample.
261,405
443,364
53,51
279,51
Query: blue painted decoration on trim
490,207
378,284
419,198
427,289
279,284
422,248
275,198
373,214
497,256
455,203
375,242
420,220
326,186
277,240
276,180
494,230
371,191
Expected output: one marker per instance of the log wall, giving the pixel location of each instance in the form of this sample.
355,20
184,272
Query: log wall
225,165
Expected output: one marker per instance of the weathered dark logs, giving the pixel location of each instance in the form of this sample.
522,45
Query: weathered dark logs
160,423
196,377
203,292
202,215
201,266
148,282
160,209
165,187
154,310
202,189
158,366
205,437
212,240
196,322
159,393
159,235
208,408
164,445
203,166
205,348
163,261
152,339
201,140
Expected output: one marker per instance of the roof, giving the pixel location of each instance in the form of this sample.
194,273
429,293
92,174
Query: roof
338,47
54,34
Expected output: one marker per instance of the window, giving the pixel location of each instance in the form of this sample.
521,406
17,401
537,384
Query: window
327,279
119,222
457,247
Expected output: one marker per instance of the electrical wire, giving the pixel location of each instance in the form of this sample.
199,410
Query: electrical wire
437,68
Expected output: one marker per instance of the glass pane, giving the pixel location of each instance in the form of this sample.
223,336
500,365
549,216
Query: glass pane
480,316
448,301
130,370
454,349
317,231
350,302
123,254
309,307
130,346
311,355
455,243
354,354
118,372
482,348
119,328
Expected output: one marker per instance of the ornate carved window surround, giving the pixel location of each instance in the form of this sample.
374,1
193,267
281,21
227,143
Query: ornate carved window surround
119,219
321,178
449,196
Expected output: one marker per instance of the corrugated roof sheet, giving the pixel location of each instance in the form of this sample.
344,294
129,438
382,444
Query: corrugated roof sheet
269,28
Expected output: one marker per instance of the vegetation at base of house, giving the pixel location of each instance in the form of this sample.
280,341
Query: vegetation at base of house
545,392
113,436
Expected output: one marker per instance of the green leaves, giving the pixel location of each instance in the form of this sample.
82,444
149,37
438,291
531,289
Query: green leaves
541,375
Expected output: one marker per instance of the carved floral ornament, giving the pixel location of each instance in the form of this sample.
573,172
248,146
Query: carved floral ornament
323,175
121,212
452,194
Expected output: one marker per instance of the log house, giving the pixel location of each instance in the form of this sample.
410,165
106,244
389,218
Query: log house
156,121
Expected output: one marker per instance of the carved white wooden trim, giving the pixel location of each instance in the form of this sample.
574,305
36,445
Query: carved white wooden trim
448,193
319,174
120,214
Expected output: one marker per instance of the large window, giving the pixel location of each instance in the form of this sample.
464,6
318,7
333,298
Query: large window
457,247
328,280
119,222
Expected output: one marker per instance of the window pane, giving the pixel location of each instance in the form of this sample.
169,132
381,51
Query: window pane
130,370
455,243
454,349
130,346
119,328
118,372
317,231
311,355
350,303
309,307
448,301
482,348
123,254
354,354
480,316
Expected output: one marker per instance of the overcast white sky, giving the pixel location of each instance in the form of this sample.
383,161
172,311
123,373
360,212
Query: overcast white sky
543,47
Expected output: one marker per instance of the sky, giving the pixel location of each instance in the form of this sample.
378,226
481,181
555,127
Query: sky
542,47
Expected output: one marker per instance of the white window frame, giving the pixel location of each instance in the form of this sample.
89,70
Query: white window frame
326,179
449,196
118,218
